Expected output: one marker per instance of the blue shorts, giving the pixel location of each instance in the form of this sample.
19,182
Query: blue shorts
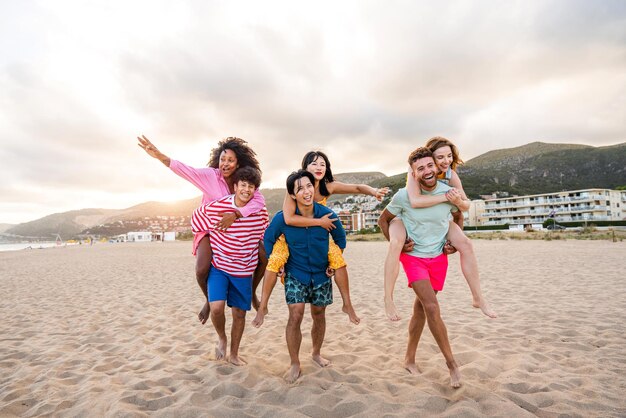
236,291
297,292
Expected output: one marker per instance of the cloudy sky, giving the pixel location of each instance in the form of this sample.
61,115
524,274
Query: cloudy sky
364,81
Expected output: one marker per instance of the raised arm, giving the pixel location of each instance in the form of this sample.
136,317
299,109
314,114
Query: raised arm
419,200
153,151
337,187
291,219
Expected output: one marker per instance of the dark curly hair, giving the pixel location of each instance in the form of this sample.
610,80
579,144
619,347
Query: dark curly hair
249,174
245,156
311,156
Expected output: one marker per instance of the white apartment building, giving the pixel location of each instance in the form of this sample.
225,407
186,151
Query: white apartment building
473,217
568,206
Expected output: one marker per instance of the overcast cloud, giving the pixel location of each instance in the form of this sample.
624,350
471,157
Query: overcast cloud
365,81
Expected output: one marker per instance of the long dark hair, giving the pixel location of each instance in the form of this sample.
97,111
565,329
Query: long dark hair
245,156
311,156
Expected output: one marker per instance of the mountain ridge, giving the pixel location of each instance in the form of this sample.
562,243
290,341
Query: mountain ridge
533,168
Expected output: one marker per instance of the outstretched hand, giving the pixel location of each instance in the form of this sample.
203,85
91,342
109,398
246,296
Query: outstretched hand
148,146
380,193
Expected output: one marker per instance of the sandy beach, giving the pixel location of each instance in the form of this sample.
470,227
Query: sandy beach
111,330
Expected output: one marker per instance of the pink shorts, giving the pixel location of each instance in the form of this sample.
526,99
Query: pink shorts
433,269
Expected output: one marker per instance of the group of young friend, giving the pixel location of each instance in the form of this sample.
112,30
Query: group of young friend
305,243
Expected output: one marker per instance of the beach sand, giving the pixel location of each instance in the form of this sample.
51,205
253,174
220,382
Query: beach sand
111,330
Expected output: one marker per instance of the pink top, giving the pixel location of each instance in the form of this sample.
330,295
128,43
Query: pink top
213,186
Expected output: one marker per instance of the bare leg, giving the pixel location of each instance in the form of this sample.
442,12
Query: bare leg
416,326
294,340
239,323
341,278
258,274
469,266
318,313
428,299
397,236
218,320
204,255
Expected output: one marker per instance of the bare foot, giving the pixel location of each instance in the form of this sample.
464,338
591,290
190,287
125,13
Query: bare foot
259,318
321,361
293,373
412,368
237,361
390,309
220,350
455,375
255,302
203,315
484,306
349,310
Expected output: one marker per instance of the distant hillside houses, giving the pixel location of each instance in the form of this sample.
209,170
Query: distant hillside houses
357,212
151,224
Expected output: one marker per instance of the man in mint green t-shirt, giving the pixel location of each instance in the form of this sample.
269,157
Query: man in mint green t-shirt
425,264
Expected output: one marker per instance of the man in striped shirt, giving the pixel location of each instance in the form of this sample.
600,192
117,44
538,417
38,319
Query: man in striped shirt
235,257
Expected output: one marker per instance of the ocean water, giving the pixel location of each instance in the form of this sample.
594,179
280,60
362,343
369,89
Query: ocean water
27,246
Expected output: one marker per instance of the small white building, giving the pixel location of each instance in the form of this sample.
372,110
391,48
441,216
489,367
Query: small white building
141,236
164,236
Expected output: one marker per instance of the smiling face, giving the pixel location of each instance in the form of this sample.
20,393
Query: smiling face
425,172
304,192
244,191
228,163
443,158
317,167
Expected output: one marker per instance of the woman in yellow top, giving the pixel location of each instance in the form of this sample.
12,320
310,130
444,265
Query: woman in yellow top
447,159
317,163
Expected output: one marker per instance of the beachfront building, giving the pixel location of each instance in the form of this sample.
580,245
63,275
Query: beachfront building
569,206
473,217
141,236
371,219
355,221
164,236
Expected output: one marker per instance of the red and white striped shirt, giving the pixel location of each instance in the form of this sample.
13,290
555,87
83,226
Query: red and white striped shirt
236,250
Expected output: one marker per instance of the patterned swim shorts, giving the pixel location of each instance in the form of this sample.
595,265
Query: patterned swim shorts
296,292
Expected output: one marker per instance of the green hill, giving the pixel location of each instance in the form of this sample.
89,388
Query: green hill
543,168
537,168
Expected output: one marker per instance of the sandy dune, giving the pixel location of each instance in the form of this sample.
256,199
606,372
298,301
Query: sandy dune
112,330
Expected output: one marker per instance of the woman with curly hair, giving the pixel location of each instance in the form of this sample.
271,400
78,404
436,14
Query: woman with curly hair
216,181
